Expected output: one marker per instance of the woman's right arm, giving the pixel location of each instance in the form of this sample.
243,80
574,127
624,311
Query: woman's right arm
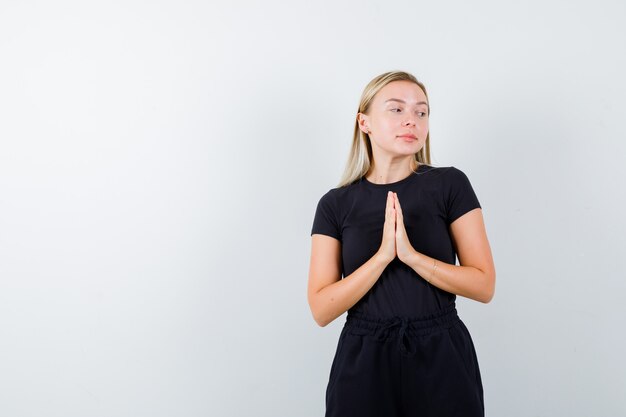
330,296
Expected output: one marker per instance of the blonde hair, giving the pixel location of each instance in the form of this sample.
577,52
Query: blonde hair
360,157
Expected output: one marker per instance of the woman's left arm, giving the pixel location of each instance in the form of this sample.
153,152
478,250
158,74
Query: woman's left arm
475,277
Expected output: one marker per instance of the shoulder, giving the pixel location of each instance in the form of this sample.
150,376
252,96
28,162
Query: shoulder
449,179
434,169
329,213
451,175
449,170
337,194
445,173
338,200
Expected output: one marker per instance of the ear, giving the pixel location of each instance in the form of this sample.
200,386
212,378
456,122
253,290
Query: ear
364,122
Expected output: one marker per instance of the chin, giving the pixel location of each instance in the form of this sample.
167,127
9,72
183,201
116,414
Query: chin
410,150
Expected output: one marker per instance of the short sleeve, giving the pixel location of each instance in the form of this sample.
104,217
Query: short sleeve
459,195
325,221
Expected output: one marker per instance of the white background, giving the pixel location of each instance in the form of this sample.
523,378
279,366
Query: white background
160,163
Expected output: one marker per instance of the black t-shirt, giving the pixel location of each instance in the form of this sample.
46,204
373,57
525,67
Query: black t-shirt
431,198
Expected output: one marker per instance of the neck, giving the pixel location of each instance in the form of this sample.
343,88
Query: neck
379,174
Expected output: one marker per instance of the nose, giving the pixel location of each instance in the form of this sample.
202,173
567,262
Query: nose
409,121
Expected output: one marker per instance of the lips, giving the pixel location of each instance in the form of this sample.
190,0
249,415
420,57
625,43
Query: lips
408,136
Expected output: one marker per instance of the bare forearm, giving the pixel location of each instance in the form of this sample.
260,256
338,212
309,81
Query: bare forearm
466,281
336,298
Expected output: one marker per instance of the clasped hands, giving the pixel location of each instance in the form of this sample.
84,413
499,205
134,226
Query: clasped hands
395,239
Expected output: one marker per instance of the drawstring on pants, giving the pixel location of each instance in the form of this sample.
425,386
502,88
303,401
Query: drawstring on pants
407,327
403,343
390,325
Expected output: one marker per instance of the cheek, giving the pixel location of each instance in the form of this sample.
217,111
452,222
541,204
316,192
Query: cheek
423,128
387,124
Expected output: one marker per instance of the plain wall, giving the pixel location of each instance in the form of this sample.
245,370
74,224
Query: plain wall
160,163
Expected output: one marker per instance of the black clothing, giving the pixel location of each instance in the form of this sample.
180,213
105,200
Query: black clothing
429,369
431,198
403,350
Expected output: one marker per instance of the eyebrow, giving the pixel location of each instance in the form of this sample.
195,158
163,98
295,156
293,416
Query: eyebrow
404,102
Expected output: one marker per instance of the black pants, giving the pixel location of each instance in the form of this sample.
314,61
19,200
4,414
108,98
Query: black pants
405,368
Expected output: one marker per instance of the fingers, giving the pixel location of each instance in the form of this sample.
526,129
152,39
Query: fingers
397,206
390,210
388,244
404,249
399,217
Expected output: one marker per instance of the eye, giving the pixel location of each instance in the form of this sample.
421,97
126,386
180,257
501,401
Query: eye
422,114
396,110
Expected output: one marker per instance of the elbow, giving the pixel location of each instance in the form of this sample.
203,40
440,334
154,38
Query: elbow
490,289
486,299
318,316
321,321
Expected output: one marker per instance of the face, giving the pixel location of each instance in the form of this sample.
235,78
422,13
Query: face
397,118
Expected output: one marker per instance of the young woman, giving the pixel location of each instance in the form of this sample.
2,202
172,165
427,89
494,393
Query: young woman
393,229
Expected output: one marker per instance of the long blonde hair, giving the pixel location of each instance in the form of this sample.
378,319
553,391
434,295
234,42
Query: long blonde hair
360,157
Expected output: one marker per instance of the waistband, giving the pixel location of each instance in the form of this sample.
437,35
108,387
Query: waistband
361,324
